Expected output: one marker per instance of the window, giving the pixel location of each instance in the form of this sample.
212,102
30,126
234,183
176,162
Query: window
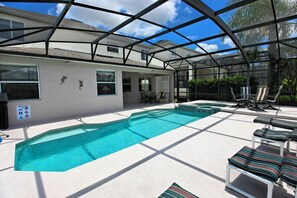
143,55
127,84
145,84
19,82
106,84
7,24
112,49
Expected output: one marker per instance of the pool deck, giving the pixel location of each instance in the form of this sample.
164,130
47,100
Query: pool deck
194,156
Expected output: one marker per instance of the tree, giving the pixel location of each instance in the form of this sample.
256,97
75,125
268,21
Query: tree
258,12
289,74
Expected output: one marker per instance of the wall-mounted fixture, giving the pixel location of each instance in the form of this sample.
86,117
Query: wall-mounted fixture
62,81
81,84
68,63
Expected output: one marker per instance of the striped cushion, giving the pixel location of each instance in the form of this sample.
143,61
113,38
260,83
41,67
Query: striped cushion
175,191
282,136
258,162
290,159
294,135
284,124
289,170
289,174
263,120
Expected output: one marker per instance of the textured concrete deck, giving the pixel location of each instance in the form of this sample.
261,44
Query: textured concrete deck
194,156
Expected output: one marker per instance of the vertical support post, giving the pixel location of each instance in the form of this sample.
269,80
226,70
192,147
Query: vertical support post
219,78
124,55
278,74
177,87
248,75
195,77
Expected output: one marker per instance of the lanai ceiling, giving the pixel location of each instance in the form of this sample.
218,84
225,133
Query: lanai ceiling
211,29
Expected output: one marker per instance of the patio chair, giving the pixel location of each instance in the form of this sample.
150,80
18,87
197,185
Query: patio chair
274,100
273,136
176,191
285,124
163,97
143,97
260,98
275,122
264,167
240,101
158,97
245,92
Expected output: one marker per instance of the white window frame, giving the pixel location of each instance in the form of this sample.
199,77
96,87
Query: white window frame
115,82
23,82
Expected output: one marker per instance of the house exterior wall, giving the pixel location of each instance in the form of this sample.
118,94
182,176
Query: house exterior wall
66,100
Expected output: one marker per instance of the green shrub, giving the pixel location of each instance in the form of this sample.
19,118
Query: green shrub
209,88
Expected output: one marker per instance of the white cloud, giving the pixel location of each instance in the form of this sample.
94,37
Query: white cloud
163,14
207,47
188,10
1,4
228,41
192,37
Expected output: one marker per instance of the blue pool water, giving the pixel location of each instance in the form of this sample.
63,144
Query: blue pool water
66,148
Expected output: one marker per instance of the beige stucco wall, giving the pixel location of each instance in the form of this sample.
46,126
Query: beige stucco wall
58,102
63,101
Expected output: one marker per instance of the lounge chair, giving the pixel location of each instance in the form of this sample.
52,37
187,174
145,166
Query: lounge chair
273,136
260,98
275,122
274,100
176,191
276,136
240,101
264,167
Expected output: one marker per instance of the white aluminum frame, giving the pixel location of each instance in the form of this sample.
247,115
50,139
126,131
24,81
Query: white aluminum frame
281,144
269,183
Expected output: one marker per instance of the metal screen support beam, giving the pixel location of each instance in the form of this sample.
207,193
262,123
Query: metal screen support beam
126,58
58,21
124,55
276,29
189,43
203,8
166,65
289,45
177,87
149,61
135,17
23,35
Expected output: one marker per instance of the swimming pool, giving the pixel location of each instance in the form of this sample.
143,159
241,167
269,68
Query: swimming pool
66,148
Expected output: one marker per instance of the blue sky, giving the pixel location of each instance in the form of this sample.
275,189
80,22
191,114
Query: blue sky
170,14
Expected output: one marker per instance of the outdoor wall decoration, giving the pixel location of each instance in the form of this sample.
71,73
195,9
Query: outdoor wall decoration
23,112
81,84
62,81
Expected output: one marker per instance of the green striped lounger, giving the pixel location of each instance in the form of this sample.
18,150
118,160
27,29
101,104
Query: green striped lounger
272,136
175,191
262,166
